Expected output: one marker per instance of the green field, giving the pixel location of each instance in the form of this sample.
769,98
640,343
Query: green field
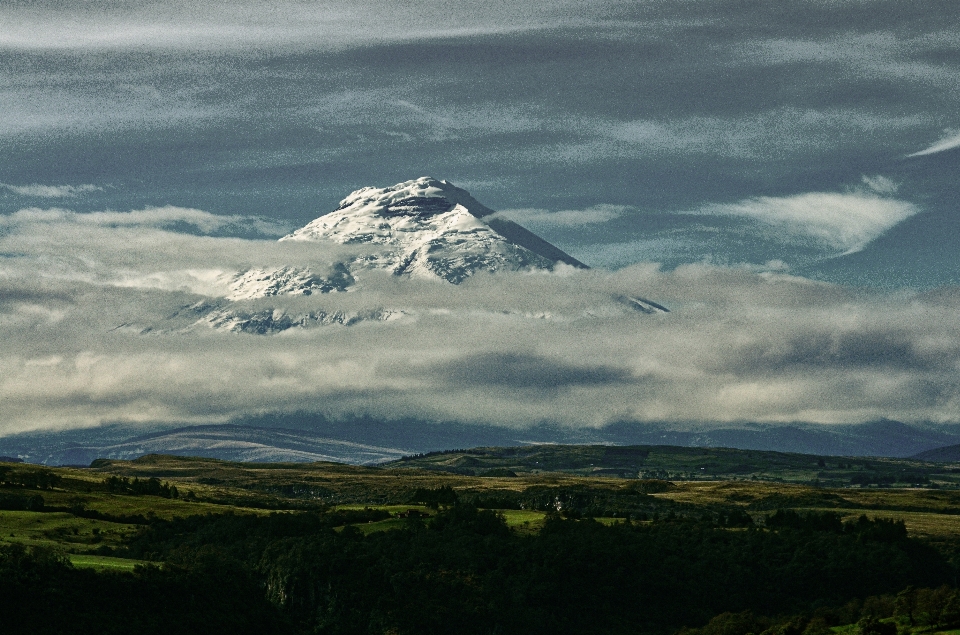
236,533
62,530
595,481
690,464
107,563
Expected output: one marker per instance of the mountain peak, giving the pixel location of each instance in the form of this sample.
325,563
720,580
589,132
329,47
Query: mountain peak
432,229
421,197
424,228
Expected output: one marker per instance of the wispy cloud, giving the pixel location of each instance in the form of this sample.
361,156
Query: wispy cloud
177,24
949,142
152,217
769,135
861,49
50,191
592,215
844,222
884,54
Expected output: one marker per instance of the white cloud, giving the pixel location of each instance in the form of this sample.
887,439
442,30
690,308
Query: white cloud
175,24
845,222
568,217
152,217
50,191
880,184
518,349
949,142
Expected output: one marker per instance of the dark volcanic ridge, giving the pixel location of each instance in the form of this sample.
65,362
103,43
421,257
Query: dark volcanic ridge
307,438
948,454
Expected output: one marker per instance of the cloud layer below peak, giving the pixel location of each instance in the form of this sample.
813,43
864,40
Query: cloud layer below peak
87,309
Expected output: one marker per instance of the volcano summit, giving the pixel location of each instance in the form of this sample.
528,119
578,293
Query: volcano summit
423,228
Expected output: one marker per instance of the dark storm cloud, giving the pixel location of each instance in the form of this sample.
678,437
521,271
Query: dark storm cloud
11,296
520,371
896,350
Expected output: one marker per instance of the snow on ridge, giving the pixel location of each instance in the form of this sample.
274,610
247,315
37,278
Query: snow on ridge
260,283
241,443
424,187
423,228
428,229
385,215
272,320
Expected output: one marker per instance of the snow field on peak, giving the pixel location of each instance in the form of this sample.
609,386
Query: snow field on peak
420,229
427,228
259,283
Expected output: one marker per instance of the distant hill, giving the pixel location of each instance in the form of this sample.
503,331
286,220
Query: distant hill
225,442
306,437
884,437
948,454
682,463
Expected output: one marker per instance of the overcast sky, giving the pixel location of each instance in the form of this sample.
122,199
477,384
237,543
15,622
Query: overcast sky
784,178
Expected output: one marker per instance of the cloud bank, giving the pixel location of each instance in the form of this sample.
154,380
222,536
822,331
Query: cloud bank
96,312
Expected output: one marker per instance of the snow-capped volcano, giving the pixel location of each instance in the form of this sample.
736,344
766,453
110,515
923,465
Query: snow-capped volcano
422,228
432,228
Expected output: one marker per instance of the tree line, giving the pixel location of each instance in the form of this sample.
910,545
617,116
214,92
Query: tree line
466,571
41,594
30,479
146,487
927,608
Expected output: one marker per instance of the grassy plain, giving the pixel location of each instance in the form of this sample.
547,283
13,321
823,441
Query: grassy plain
83,517
925,512
104,563
60,529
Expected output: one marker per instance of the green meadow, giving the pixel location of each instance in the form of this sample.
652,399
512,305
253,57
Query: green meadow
526,483
710,541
